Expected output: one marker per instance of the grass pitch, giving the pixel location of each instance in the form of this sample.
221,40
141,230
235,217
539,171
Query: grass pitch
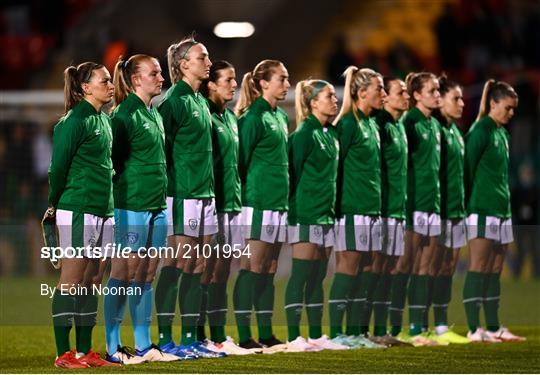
27,342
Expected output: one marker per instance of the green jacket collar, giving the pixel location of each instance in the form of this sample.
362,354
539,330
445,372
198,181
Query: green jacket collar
85,107
181,88
262,104
490,123
361,114
134,98
417,114
386,117
214,107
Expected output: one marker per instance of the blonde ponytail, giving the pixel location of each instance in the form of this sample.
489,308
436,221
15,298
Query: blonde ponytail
494,90
483,110
248,94
355,80
300,106
348,93
122,87
251,88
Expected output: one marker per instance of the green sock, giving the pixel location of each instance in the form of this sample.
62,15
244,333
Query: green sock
189,297
442,291
315,298
337,301
356,302
472,298
263,302
398,296
411,298
429,300
294,295
380,304
63,307
217,311
201,334
85,320
492,295
165,299
417,305
243,304
372,279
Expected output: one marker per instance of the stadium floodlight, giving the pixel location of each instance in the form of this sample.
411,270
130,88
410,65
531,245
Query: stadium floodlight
234,29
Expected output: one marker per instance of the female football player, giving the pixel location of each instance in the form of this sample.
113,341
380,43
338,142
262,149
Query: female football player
359,202
140,186
219,89
489,222
263,167
313,166
190,197
453,232
423,204
81,201
393,197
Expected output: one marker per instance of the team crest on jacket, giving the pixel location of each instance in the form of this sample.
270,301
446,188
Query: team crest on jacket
196,114
146,126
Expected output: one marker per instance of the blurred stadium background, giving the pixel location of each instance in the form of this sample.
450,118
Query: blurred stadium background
471,40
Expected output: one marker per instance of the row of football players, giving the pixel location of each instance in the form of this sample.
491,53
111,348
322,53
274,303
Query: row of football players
389,185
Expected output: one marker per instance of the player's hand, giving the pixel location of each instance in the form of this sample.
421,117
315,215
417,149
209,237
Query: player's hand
50,213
